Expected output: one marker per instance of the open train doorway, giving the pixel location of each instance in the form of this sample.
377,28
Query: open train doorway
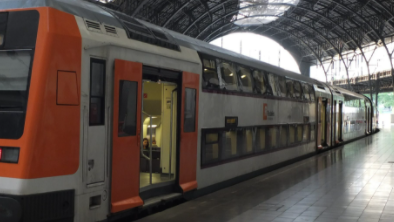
340,121
322,123
337,121
159,132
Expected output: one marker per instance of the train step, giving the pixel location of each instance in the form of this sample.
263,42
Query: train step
154,201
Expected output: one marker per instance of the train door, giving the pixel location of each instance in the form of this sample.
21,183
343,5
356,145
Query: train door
328,122
96,138
322,122
126,136
339,121
367,120
159,131
334,121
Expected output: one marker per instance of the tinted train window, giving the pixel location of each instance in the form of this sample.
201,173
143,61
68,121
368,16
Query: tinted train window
220,145
297,90
190,110
97,92
299,134
260,141
305,133
283,135
305,88
211,148
273,82
229,76
245,141
282,86
273,135
313,132
290,89
210,75
259,81
127,108
292,134
230,144
14,88
312,93
245,77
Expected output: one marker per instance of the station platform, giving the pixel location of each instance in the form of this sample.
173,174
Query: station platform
349,183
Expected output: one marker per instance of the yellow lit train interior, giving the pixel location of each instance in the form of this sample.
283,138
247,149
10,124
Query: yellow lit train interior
156,129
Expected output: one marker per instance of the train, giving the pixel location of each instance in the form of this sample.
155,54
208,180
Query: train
104,115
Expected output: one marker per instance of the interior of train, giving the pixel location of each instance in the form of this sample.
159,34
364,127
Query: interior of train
159,130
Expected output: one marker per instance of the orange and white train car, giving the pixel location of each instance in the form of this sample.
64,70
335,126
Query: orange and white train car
62,79
102,115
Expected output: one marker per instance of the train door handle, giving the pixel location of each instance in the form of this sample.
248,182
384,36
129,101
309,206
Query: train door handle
90,164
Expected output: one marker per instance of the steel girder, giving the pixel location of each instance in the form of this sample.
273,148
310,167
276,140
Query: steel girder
314,30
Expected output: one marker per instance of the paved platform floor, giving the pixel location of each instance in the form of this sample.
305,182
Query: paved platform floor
350,183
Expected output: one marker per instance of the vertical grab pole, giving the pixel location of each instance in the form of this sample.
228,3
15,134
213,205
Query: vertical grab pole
171,127
150,151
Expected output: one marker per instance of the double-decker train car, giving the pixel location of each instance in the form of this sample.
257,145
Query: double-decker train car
103,115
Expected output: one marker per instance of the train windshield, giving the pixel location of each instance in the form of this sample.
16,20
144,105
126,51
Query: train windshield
14,81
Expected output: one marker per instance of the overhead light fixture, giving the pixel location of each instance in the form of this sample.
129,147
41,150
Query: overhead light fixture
153,126
231,74
205,69
243,76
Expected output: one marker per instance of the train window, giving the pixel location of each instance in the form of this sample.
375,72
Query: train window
297,90
305,133
210,75
14,74
127,108
211,148
283,134
273,134
290,88
229,76
312,93
299,134
282,86
313,132
190,110
305,88
292,133
273,82
259,80
260,141
97,92
245,141
245,77
229,148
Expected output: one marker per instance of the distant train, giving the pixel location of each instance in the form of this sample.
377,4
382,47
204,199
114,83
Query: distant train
103,115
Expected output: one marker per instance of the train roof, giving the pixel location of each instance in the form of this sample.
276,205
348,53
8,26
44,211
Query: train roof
94,12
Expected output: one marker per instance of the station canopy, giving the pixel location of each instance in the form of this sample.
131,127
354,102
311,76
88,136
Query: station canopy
312,30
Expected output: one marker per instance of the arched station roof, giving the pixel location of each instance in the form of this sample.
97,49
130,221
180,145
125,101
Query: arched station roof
313,29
